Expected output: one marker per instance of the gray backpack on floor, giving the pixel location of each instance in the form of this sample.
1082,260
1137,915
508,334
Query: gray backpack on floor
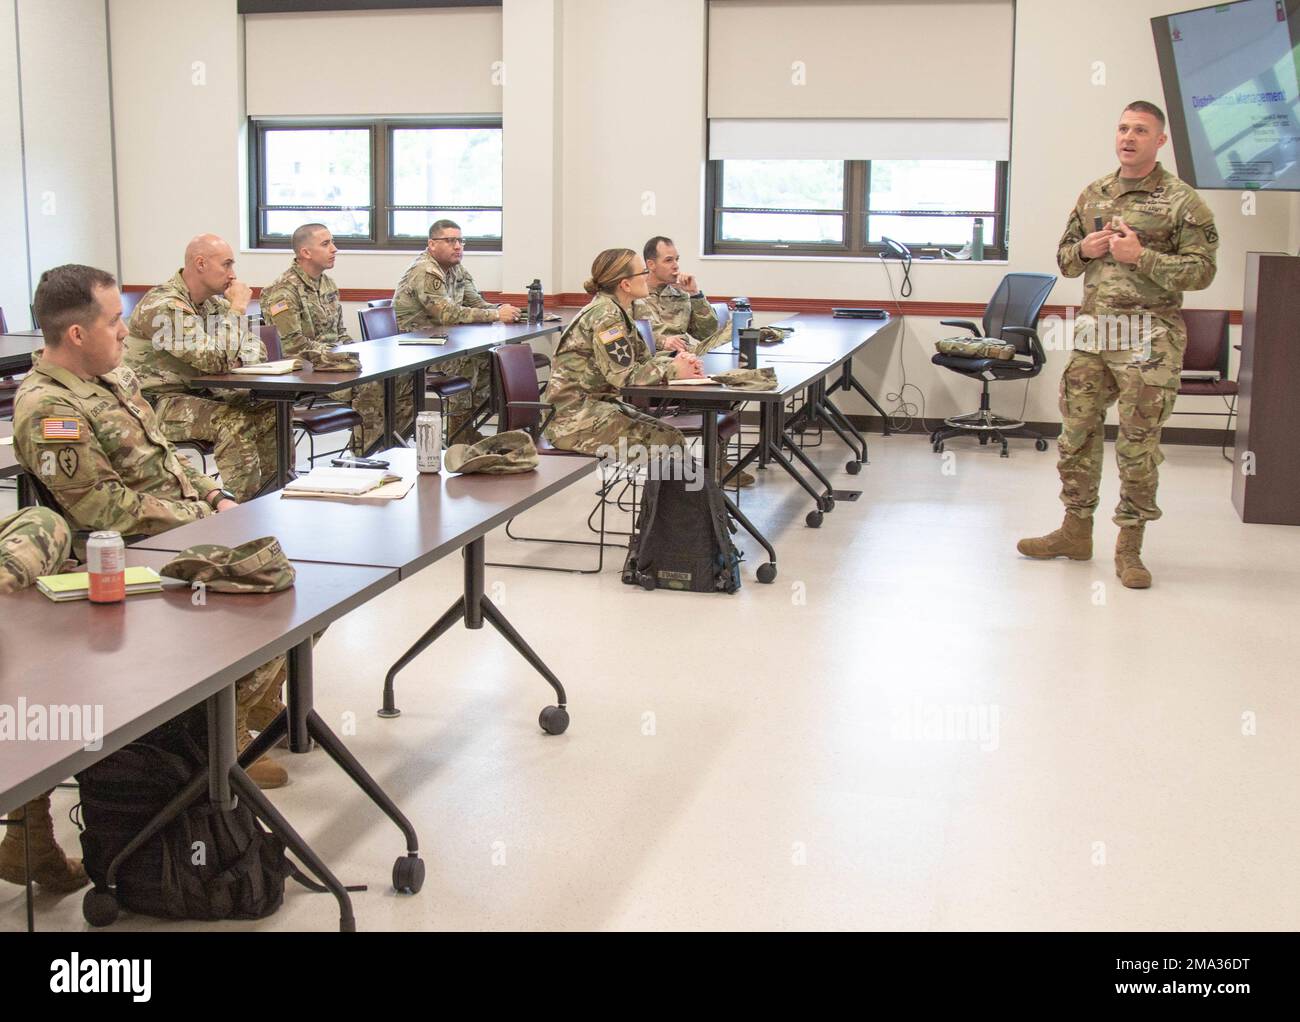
684,540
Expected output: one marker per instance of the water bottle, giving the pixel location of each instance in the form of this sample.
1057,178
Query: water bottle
741,317
535,301
977,239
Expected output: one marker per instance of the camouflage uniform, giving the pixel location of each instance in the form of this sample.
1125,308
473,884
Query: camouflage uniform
1179,241
120,472
172,341
429,296
33,542
674,313
309,318
598,353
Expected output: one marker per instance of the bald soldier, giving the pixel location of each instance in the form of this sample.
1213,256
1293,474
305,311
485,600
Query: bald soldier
680,316
83,428
437,290
1140,237
194,325
303,303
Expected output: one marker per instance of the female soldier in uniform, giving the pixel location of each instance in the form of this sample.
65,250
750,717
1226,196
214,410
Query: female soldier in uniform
602,351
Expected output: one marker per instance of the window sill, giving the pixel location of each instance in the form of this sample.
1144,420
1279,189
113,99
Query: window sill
349,252
925,261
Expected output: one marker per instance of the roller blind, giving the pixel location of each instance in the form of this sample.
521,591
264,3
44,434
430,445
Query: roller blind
857,79
373,63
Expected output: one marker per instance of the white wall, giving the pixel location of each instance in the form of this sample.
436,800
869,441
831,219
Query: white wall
604,115
57,51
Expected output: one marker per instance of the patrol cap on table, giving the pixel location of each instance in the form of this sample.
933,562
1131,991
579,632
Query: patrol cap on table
763,378
512,451
336,362
258,566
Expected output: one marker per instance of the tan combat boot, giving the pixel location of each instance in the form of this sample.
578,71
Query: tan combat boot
741,478
1128,558
50,867
263,771
1073,540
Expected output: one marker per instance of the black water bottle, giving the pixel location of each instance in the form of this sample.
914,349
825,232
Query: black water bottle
535,301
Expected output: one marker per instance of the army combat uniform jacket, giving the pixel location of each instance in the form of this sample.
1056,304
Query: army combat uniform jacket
674,313
172,340
600,352
1179,242
429,296
307,313
97,447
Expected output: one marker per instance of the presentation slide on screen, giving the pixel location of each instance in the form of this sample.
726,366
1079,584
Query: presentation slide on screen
1237,72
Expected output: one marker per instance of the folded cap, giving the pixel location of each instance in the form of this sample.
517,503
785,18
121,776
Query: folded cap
336,362
258,566
512,451
967,348
748,379
773,334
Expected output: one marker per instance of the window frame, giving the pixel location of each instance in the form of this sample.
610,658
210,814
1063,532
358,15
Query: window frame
381,206
855,212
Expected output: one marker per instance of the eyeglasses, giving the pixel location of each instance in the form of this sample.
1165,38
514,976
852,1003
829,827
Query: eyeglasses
451,241
633,276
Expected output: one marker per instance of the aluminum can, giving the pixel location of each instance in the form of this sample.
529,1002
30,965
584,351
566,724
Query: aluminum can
106,564
428,442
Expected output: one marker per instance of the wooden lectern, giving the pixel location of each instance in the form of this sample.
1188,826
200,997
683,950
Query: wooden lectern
1266,469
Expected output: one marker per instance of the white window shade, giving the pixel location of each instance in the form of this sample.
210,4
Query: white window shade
372,63
875,139
860,79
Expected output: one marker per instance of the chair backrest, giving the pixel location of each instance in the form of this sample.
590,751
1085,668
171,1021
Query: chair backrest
379,303
1207,340
271,341
1017,302
130,299
378,322
647,334
723,311
35,322
516,376
4,329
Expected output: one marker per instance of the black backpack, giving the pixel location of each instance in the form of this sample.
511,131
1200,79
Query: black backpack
206,863
684,540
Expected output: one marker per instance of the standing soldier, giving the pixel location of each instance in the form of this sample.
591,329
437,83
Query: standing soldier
1140,237
437,290
303,303
679,313
192,326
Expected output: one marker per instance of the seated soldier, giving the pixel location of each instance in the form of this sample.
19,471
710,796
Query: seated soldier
602,351
303,303
194,325
437,290
679,313
35,542
82,427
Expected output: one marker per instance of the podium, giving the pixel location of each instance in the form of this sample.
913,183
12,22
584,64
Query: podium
1266,468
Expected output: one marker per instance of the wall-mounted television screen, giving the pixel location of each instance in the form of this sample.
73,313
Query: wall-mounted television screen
1232,87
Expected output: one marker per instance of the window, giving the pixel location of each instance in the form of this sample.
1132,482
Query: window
844,207
376,184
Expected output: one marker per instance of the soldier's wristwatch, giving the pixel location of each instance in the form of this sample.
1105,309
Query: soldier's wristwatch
221,495
698,294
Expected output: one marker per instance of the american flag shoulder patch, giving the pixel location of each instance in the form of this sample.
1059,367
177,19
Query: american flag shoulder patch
611,335
61,429
278,307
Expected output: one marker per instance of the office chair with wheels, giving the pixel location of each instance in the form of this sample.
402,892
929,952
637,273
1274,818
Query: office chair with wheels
1207,352
313,417
1011,317
380,303
8,385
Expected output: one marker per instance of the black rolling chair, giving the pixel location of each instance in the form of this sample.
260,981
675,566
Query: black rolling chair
379,320
1010,318
312,418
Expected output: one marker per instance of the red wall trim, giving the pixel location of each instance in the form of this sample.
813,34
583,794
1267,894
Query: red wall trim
577,299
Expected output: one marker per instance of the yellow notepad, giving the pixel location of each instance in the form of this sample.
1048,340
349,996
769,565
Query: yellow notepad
280,367
75,585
